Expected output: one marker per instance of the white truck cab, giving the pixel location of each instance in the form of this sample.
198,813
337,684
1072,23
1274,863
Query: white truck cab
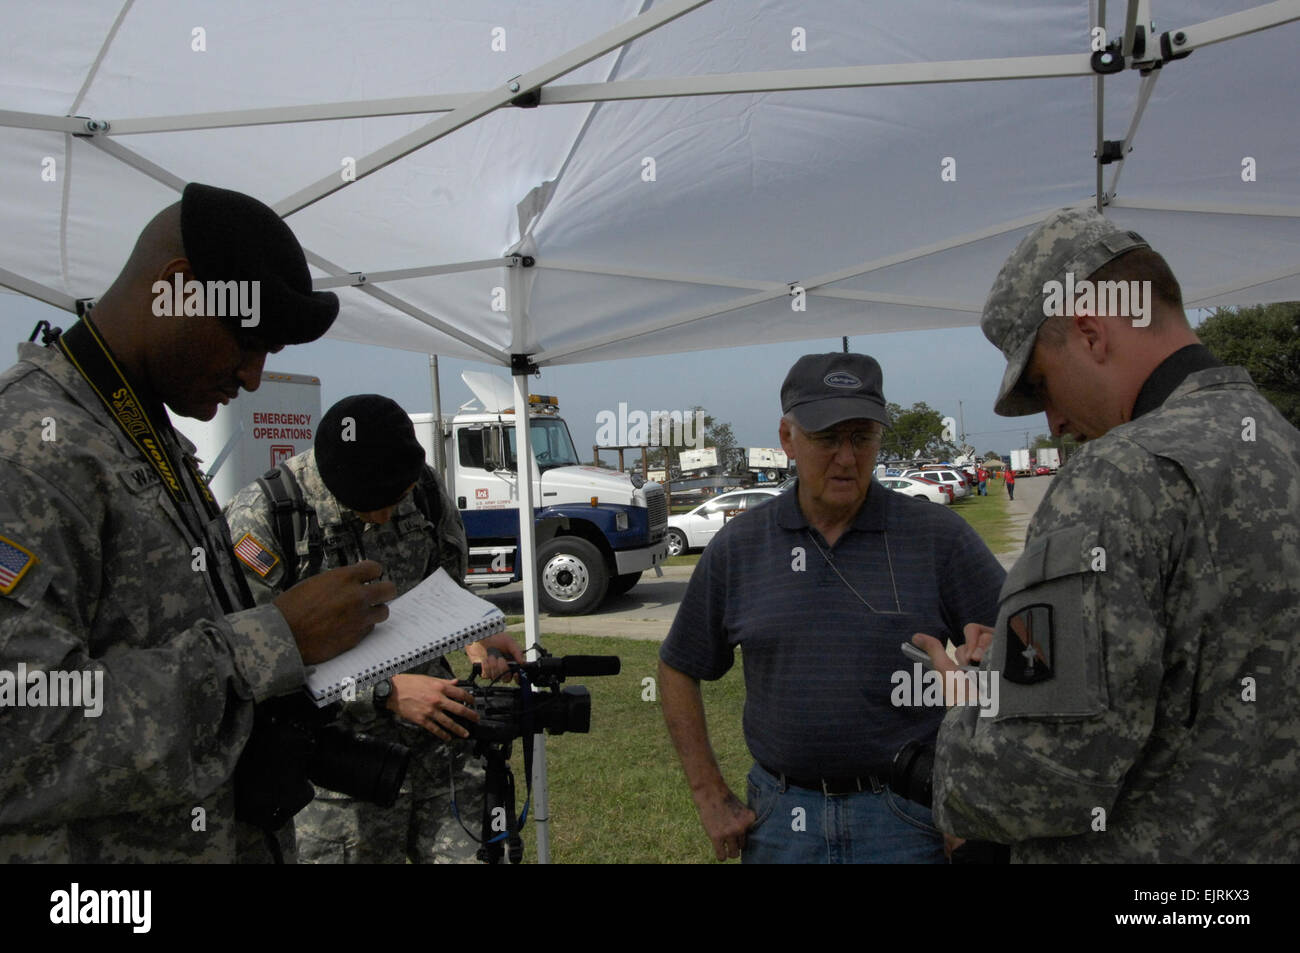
597,529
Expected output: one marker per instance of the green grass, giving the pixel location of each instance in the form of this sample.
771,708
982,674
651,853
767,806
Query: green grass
988,516
618,794
685,559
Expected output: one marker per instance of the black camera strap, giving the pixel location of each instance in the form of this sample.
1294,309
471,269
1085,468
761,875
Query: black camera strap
146,424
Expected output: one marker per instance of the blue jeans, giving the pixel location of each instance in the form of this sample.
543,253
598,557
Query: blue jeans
799,826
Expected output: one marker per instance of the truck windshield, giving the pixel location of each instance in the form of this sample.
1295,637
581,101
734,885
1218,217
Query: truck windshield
552,446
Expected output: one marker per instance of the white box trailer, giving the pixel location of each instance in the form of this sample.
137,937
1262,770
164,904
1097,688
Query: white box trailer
691,460
768,464
255,431
1020,462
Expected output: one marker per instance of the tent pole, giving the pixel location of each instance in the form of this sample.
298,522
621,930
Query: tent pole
34,289
439,453
527,555
1099,93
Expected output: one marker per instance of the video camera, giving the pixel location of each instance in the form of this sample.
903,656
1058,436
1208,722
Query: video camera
506,713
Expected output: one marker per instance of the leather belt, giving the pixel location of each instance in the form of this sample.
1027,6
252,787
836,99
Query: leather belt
832,787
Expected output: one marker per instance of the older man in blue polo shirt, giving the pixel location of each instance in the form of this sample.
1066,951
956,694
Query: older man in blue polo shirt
820,587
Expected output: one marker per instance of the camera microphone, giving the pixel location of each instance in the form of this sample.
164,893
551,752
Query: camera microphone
560,667
592,665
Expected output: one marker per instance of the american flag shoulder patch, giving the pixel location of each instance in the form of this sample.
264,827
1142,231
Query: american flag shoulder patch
254,555
14,563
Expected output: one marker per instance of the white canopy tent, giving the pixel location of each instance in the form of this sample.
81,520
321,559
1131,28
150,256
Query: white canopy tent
581,180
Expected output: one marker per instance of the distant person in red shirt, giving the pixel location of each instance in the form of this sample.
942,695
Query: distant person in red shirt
1011,483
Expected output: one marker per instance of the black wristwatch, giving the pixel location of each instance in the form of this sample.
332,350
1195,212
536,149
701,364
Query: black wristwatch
383,689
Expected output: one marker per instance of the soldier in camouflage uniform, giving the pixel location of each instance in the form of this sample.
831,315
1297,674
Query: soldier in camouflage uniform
115,562
1146,639
377,467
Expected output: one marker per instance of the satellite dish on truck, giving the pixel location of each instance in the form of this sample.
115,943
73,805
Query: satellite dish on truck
493,392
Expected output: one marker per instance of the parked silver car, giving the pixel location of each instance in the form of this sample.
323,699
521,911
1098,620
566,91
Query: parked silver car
693,530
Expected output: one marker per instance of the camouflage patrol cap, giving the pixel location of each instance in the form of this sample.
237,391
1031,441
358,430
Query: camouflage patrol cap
1074,240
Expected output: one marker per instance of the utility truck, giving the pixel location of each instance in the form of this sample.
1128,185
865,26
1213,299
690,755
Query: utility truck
597,530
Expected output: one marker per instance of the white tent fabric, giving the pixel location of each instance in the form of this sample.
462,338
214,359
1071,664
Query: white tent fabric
838,191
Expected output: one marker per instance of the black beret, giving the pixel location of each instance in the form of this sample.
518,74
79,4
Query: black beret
369,463
229,236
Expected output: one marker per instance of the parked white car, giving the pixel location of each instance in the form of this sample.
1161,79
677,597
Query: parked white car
693,530
925,489
946,477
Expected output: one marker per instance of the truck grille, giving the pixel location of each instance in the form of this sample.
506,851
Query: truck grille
656,511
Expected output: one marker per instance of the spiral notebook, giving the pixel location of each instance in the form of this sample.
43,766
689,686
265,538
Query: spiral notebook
434,618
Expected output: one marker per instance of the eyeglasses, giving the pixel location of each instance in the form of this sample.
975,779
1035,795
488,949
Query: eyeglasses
830,441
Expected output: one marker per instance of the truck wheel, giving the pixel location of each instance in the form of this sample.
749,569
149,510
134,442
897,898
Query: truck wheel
624,583
573,576
676,542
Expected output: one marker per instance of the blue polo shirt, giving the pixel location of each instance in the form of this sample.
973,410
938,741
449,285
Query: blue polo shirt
819,664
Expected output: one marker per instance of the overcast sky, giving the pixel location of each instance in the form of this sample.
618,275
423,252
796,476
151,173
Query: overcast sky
739,385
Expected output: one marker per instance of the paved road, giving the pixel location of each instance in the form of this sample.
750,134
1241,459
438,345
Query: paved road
1029,492
644,613
647,611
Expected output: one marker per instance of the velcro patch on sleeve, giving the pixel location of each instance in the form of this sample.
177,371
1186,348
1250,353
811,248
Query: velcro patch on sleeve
1029,645
254,555
14,563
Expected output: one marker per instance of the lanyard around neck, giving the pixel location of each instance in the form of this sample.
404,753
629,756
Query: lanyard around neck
93,360
889,559
83,346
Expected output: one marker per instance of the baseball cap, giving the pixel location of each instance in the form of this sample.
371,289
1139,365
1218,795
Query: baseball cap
822,390
229,236
1074,240
368,465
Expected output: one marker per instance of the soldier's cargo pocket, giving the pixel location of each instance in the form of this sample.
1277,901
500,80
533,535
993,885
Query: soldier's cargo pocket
1046,646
